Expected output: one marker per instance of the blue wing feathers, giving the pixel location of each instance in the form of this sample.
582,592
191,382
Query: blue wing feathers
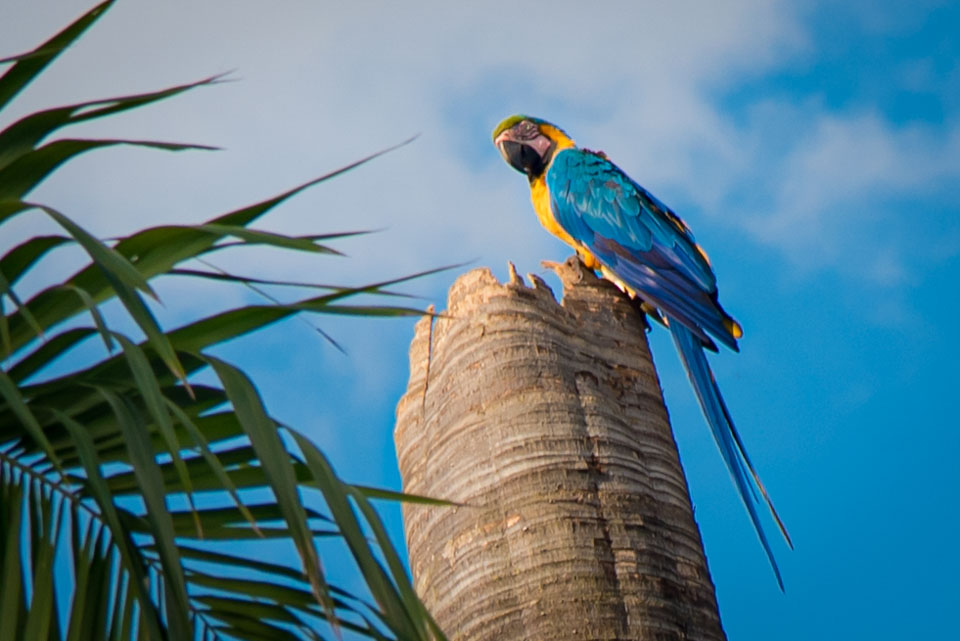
634,235
589,189
662,285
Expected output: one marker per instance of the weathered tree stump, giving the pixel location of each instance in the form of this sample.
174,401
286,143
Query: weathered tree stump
547,423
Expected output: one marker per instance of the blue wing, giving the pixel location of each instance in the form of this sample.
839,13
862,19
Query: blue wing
647,246
639,239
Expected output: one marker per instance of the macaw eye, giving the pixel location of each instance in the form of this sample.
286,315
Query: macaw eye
527,130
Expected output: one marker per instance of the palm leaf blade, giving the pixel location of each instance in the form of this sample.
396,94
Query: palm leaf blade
274,459
29,66
132,561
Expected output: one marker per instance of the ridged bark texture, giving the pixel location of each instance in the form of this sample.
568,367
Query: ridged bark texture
547,423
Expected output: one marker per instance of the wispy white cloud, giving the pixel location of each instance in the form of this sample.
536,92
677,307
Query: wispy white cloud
323,86
845,189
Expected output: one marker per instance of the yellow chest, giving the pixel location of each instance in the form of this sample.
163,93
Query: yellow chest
541,204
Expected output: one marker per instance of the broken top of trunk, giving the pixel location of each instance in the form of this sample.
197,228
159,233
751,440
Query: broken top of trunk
546,422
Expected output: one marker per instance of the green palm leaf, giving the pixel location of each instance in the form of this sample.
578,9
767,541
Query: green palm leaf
101,467
28,66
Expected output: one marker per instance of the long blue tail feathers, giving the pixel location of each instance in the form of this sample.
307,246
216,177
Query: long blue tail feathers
725,434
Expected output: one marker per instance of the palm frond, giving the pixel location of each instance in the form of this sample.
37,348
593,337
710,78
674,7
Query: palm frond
125,477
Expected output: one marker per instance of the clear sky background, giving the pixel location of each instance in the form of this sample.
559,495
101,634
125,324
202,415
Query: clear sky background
814,148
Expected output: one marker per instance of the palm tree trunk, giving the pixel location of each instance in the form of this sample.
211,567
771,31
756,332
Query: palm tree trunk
547,423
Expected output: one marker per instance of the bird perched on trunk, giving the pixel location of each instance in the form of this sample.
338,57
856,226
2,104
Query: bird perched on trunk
621,230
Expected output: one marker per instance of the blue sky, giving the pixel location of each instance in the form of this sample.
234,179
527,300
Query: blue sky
814,149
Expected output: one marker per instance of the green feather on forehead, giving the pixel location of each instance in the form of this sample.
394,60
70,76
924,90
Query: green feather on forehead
518,118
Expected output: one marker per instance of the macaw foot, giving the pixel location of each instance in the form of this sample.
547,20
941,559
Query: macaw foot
574,269
571,271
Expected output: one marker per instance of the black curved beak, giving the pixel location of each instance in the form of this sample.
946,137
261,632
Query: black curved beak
521,157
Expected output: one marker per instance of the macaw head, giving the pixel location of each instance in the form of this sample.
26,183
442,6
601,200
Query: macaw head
528,144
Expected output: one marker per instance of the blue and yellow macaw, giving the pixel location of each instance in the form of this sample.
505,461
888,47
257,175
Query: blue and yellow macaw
621,230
